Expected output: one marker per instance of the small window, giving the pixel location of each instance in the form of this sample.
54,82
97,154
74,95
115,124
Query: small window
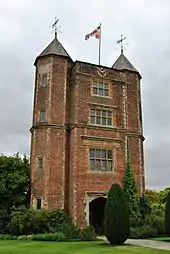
44,80
40,163
101,160
101,117
100,89
42,116
39,203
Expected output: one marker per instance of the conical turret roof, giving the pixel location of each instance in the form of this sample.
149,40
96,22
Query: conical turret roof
54,48
122,63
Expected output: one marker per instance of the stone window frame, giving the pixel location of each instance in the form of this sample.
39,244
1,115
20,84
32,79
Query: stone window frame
35,199
40,163
101,116
44,80
104,144
99,85
42,118
38,205
100,158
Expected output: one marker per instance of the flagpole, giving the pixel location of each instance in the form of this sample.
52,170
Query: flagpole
100,42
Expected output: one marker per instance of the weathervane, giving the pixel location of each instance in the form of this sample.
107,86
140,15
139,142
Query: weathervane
121,43
55,27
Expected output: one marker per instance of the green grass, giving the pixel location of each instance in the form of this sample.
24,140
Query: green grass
21,247
162,239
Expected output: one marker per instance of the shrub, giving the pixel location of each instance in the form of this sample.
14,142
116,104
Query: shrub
4,220
116,216
153,226
22,237
45,237
25,222
142,232
167,215
88,234
70,230
7,237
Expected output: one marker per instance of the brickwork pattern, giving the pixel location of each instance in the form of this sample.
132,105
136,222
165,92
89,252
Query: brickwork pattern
64,140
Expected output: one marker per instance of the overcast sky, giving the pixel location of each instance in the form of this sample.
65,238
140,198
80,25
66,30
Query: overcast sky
24,32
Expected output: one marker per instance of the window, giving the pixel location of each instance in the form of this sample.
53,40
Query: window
42,116
40,163
39,203
101,89
44,80
101,117
101,160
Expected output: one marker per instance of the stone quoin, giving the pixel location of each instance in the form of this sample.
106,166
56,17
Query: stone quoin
83,116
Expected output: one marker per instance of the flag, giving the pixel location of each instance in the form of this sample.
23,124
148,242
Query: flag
96,33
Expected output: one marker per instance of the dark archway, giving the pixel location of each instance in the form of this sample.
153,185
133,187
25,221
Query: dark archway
96,214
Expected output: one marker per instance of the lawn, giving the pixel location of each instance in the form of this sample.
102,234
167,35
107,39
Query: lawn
162,239
20,247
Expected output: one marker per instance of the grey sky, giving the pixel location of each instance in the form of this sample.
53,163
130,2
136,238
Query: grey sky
24,32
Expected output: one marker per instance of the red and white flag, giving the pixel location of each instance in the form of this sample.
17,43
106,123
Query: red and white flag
96,33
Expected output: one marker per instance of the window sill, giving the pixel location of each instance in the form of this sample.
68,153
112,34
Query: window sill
100,172
101,96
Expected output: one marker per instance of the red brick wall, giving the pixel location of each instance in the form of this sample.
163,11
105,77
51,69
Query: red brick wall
124,101
65,139
49,138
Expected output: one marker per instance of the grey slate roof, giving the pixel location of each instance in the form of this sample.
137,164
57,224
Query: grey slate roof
55,48
122,63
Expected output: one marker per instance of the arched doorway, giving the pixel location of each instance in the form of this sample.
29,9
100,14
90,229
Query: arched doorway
96,214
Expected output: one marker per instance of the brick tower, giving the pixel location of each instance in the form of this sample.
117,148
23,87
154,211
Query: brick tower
83,116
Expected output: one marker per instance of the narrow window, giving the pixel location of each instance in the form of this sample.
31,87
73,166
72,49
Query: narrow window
39,203
44,80
40,163
42,116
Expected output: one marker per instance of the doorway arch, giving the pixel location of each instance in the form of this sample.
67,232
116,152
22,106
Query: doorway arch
96,214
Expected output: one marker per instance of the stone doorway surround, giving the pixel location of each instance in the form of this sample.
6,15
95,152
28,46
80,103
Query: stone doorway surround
89,196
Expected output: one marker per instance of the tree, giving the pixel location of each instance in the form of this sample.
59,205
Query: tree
167,214
131,195
163,194
14,181
116,216
152,196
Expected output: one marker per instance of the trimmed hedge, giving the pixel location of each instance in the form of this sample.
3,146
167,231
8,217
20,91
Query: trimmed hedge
116,216
167,215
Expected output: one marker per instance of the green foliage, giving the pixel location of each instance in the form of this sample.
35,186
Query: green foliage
153,226
152,196
143,232
70,230
14,181
144,207
131,195
7,237
57,237
88,234
167,215
116,216
163,195
25,221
